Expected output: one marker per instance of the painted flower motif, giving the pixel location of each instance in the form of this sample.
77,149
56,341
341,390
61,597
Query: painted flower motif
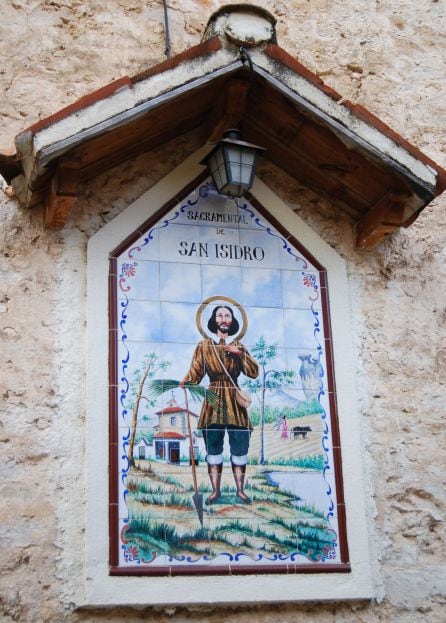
129,270
309,280
329,552
131,553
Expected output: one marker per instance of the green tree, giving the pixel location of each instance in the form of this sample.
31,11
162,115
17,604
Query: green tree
145,373
144,435
269,378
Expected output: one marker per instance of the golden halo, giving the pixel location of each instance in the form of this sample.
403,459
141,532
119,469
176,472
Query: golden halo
226,299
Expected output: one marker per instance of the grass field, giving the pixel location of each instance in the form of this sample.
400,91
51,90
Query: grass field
163,518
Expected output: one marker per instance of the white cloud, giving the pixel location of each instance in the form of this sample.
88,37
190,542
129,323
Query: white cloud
261,287
267,322
180,282
299,329
143,322
296,294
178,323
221,281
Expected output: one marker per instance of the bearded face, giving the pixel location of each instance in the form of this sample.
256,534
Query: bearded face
223,319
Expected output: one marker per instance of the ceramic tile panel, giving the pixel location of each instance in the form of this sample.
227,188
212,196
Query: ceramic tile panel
310,371
303,328
265,323
207,208
213,276
180,283
261,287
222,409
256,254
293,259
233,537
327,399
177,321
141,321
142,247
230,507
248,215
145,287
220,246
176,357
133,552
301,289
132,354
180,243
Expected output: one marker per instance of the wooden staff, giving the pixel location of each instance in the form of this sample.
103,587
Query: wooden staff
197,497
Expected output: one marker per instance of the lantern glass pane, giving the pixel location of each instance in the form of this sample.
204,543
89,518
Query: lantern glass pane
246,175
219,157
242,161
248,157
217,167
234,156
212,164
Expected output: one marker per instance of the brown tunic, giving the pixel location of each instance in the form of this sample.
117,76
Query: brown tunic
205,361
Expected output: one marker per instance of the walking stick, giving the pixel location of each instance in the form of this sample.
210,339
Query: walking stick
197,497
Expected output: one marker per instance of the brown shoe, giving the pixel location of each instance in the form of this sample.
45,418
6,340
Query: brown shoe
239,477
214,472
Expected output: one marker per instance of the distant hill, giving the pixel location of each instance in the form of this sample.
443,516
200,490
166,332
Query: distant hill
279,398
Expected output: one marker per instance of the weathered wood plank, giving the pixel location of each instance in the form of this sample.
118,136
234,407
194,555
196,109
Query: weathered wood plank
146,143
303,170
168,118
62,193
382,219
229,109
320,147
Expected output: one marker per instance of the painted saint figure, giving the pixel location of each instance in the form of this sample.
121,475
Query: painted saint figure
220,361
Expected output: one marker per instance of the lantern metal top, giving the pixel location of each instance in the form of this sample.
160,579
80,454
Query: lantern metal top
233,135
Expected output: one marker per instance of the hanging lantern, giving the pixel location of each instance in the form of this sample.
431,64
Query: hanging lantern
232,164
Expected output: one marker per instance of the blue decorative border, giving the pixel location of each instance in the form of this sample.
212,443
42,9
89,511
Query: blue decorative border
309,280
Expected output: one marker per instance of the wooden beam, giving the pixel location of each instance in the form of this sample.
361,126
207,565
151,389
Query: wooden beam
382,219
62,193
304,169
229,110
95,167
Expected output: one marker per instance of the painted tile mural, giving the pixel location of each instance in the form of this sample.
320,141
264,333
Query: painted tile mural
222,415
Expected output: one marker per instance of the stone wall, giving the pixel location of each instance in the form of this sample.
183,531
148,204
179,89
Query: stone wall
390,57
